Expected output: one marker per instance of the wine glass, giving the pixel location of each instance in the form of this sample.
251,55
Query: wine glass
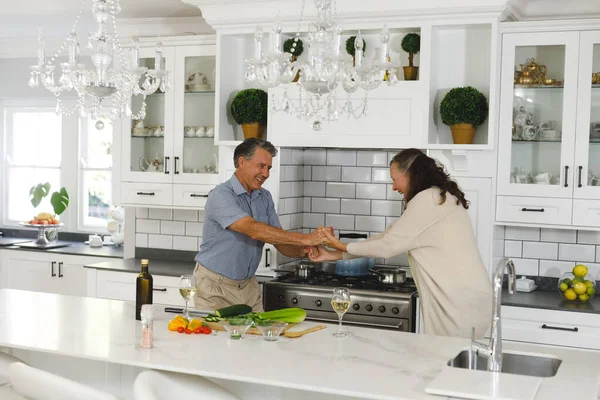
340,301
187,289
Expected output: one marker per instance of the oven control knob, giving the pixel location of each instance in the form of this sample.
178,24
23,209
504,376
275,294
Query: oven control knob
395,310
381,309
294,300
369,307
356,306
318,303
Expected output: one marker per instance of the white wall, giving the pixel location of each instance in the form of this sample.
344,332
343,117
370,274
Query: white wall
14,78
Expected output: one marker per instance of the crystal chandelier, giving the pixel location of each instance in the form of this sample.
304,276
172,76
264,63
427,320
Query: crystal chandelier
105,89
323,70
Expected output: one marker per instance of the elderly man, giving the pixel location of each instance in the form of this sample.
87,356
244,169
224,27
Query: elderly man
239,219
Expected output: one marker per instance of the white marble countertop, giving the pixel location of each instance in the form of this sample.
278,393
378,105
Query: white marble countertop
369,364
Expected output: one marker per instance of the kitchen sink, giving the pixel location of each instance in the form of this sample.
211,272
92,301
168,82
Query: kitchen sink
512,363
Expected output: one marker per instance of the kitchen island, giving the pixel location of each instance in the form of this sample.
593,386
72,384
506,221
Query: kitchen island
368,364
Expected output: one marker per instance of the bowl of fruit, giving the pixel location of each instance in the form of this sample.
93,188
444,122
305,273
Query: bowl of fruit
577,286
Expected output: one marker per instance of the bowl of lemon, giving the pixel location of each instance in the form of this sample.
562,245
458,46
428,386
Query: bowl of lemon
577,286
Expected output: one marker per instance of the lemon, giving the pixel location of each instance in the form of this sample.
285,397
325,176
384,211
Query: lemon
578,279
580,288
584,297
570,294
588,283
590,291
568,281
580,270
563,287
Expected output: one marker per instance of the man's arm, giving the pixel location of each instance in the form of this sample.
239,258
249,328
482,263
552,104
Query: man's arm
277,236
291,250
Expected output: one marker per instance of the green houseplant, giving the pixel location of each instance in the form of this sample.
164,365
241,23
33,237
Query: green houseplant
464,109
411,43
295,51
350,49
59,201
249,109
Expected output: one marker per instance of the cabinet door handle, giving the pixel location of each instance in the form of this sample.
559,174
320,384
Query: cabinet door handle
160,289
579,181
558,328
267,264
166,165
532,209
566,176
175,165
145,193
52,274
60,274
198,195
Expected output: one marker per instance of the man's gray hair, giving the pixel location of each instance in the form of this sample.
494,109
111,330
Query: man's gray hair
248,147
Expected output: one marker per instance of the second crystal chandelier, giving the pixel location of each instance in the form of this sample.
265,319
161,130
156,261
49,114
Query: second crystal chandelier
323,70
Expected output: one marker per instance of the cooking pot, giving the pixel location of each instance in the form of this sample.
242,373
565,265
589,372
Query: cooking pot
306,269
355,266
389,275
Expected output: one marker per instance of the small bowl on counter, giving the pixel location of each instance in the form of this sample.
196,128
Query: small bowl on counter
236,327
270,330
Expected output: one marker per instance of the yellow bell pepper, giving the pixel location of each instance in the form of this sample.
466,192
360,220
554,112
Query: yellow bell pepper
177,322
194,324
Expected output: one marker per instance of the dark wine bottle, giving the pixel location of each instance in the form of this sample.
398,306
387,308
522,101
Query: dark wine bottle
143,290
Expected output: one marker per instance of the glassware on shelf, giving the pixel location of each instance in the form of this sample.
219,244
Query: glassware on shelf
187,289
340,301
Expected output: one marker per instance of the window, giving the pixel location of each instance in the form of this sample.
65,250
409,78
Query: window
95,163
33,155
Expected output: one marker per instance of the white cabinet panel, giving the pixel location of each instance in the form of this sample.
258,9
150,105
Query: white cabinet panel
146,194
191,195
534,209
586,212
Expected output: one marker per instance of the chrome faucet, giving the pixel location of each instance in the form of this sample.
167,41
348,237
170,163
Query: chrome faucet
493,350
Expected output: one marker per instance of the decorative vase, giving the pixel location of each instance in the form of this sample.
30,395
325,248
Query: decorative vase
462,133
410,73
254,130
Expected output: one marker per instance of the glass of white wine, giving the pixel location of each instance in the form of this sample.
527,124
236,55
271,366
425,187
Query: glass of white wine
340,301
187,289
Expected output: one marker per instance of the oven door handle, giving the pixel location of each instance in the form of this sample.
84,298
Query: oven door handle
369,324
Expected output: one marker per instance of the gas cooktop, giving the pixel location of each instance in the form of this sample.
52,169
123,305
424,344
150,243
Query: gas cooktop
366,282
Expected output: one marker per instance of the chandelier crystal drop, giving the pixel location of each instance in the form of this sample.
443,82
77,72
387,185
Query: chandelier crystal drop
324,69
105,89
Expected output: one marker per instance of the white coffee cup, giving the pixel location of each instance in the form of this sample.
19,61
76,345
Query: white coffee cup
210,131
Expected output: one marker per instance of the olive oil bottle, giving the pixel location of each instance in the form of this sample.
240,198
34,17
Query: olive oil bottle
143,290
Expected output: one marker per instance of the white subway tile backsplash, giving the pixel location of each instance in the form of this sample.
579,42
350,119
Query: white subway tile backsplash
547,251
314,189
559,235
386,207
356,174
285,156
307,173
285,189
306,204
524,266
555,268
381,175
371,159
324,205
389,221
296,173
576,252
297,221
521,233
297,189
315,157
588,237
339,189
141,212
593,270
356,207
376,224
341,157
291,205
172,227
160,242
185,215
286,222
147,226
313,220
371,191
512,248
141,240
160,213
185,243
332,174
297,156
342,222
201,216
281,207
193,228
392,195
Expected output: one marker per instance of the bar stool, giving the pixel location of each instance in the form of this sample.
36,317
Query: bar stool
160,385
36,384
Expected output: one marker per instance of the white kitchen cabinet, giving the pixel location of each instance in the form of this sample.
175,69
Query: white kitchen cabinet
560,328
44,272
173,148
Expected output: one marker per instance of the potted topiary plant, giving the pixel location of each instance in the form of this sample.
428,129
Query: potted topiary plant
411,43
350,49
295,47
249,109
464,109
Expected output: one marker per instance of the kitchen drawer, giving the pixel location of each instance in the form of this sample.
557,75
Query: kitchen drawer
560,328
121,286
586,212
191,195
534,209
146,194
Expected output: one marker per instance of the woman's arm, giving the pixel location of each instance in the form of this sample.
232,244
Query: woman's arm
320,253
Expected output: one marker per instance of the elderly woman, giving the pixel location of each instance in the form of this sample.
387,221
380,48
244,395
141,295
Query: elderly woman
435,230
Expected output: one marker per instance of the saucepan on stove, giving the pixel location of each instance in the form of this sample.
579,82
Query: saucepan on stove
355,266
389,274
306,269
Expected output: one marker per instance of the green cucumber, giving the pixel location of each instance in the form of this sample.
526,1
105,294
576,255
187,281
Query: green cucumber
233,311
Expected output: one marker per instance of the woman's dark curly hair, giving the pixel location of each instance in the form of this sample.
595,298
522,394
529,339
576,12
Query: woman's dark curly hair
424,172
